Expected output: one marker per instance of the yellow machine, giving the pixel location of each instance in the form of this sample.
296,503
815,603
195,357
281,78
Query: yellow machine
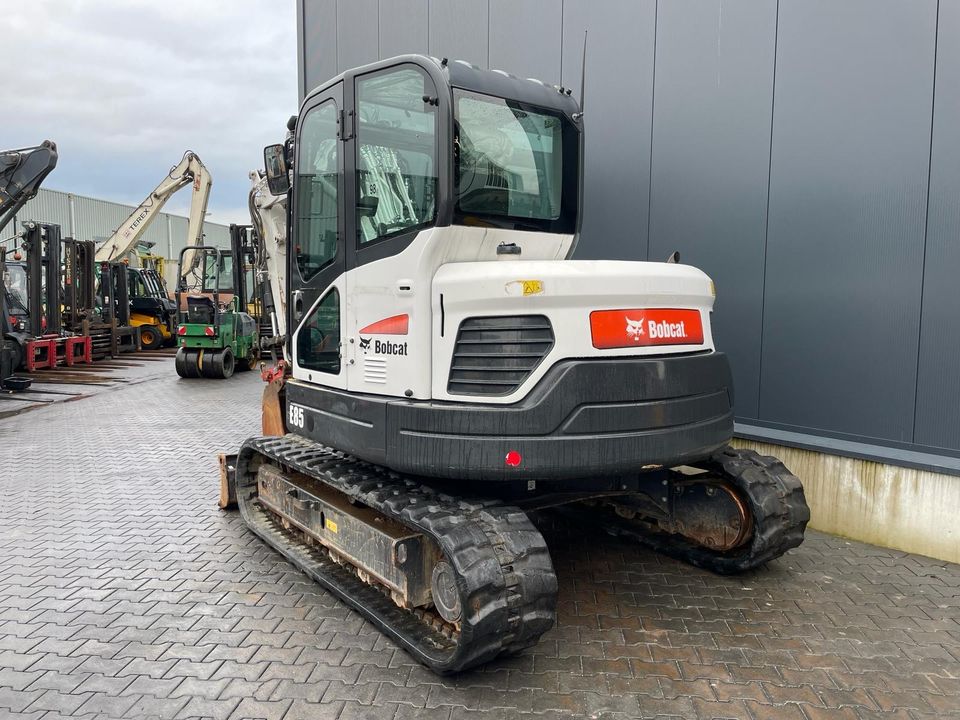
151,308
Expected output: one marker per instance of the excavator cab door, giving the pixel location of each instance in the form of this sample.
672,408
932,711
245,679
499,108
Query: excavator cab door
317,256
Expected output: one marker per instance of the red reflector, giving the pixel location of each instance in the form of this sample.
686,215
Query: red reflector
513,458
396,325
639,327
208,331
182,330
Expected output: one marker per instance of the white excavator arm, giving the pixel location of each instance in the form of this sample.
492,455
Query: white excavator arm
188,170
268,213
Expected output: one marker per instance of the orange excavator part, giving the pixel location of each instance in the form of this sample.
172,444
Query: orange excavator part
272,420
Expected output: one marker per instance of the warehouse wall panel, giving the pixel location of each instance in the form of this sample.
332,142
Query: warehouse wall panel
46,204
525,38
938,389
404,27
848,190
358,33
460,30
713,104
617,117
320,32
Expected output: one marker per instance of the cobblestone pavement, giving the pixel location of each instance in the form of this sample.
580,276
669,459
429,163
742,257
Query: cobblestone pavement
125,593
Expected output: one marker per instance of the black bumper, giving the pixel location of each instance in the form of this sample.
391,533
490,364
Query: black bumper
584,419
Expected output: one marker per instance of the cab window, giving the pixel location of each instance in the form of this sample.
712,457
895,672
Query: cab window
135,284
212,270
317,189
396,153
318,339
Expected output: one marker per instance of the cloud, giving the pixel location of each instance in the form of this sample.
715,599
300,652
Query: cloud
124,87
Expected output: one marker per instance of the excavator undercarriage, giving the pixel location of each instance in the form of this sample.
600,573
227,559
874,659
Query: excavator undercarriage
458,580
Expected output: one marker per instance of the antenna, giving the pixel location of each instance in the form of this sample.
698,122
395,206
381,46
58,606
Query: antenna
583,77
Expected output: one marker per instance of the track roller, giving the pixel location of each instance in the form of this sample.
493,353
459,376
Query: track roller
455,582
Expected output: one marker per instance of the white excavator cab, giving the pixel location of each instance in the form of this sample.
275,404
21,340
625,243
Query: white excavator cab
434,208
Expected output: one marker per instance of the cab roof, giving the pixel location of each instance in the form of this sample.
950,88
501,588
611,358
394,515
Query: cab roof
466,76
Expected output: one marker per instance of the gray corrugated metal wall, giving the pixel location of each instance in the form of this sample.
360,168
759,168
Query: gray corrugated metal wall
91,219
805,153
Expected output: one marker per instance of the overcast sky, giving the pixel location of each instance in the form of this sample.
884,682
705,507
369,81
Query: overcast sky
124,87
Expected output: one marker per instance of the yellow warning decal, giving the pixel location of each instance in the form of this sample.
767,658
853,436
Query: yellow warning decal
518,288
331,525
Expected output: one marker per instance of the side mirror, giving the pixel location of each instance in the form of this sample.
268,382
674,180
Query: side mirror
367,205
275,164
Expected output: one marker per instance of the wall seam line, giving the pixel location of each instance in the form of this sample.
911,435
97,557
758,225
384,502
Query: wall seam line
563,4
488,33
766,220
926,225
653,101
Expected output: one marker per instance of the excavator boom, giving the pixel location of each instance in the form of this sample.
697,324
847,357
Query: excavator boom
190,170
268,214
21,172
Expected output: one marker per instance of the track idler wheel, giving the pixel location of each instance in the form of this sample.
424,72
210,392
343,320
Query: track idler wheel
742,511
711,513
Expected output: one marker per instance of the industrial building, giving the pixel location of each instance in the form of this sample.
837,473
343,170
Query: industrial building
85,218
803,154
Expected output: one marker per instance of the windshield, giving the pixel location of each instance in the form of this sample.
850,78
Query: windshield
516,165
210,272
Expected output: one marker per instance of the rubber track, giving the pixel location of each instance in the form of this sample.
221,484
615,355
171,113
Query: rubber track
507,583
776,500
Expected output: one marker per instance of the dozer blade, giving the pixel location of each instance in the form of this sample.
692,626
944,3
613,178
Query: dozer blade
744,510
454,582
271,406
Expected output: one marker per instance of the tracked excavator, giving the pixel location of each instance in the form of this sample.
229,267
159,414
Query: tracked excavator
452,370
151,309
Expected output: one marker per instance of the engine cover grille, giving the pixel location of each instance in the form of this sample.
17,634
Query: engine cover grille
495,355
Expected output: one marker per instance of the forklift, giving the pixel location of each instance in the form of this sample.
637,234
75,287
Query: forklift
151,309
10,304
21,173
214,338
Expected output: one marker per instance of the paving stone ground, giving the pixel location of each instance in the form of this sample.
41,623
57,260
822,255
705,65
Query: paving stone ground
125,593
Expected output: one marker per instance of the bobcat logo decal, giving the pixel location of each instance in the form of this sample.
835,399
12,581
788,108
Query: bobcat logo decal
364,344
634,328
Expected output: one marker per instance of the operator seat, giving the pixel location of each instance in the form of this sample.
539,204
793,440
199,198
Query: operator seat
200,310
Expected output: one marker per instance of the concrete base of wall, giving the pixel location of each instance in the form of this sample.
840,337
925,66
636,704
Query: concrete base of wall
912,510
